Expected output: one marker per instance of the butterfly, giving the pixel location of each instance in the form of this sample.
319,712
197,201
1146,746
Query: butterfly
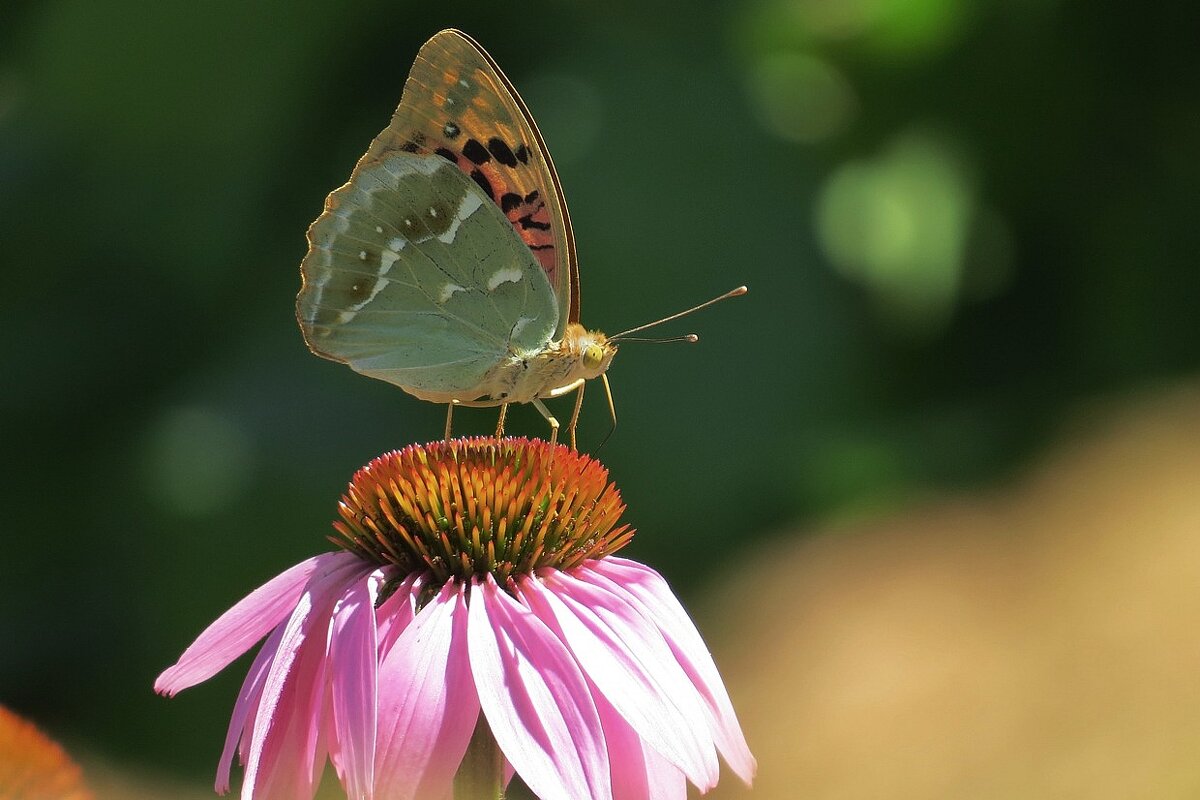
446,264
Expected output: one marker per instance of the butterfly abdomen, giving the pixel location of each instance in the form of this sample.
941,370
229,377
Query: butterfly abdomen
524,376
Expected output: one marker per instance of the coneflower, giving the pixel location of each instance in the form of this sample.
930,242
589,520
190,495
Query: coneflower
474,623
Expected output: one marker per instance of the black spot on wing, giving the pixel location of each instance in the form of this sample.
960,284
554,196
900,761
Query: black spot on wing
447,154
410,147
509,201
476,152
522,153
501,152
484,183
526,222
532,196
451,130
540,246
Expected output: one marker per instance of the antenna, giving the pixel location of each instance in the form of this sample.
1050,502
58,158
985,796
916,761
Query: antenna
731,293
690,338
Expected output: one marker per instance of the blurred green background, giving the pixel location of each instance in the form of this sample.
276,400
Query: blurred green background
956,219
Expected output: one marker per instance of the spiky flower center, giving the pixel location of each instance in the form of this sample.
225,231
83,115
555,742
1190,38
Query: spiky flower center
471,506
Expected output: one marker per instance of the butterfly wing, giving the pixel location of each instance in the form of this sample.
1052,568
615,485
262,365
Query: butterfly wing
423,270
415,277
458,104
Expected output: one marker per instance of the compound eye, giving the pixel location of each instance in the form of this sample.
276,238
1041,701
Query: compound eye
593,356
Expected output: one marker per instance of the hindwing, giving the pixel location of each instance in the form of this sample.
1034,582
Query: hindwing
415,277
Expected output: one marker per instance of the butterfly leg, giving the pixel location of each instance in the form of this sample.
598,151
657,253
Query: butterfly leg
545,412
449,417
500,422
575,414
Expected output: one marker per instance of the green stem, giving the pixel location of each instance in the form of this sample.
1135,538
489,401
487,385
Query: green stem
481,774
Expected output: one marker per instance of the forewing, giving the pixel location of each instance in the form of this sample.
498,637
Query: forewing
415,277
459,105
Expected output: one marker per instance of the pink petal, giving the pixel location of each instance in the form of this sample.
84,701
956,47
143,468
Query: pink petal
625,656
649,591
352,668
240,627
247,700
427,702
535,699
638,771
277,712
397,611
285,741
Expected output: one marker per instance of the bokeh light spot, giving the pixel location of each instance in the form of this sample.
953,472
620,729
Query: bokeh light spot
800,97
196,462
899,224
915,26
891,30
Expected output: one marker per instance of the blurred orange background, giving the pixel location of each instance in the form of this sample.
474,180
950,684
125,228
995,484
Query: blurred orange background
1037,639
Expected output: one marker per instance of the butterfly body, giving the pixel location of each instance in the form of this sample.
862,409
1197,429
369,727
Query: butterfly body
523,377
446,264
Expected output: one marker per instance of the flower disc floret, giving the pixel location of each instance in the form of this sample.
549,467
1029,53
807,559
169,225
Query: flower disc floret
474,506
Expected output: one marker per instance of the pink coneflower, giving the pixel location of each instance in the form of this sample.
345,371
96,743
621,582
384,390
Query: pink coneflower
474,624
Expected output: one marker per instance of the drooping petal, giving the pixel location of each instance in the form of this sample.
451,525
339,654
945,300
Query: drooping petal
536,699
285,742
397,611
247,701
276,711
638,771
625,656
649,590
427,702
352,686
240,627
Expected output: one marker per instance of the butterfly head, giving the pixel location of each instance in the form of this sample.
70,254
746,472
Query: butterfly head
591,351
